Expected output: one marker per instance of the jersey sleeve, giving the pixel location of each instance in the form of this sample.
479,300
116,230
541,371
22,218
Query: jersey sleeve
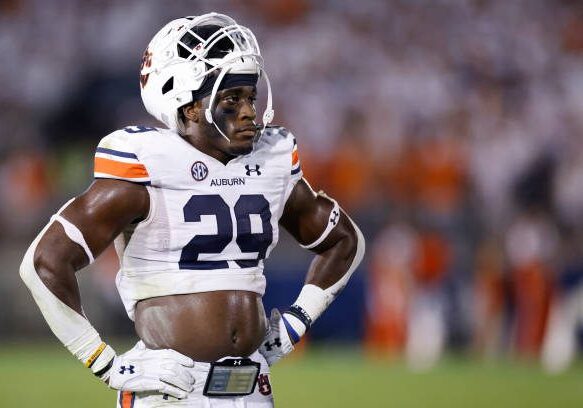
116,157
296,173
296,168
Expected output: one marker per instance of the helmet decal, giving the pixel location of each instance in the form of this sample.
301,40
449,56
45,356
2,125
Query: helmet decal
146,63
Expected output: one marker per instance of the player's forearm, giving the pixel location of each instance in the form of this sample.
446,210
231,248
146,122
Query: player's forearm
54,288
330,266
338,257
59,278
331,269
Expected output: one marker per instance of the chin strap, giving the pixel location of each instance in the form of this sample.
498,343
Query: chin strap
208,113
268,114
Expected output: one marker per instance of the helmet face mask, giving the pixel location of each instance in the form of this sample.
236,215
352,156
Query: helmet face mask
188,50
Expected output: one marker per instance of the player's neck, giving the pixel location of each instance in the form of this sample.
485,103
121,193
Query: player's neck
203,144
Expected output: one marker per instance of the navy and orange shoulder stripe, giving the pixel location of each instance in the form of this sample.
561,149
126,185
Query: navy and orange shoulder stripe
295,160
117,164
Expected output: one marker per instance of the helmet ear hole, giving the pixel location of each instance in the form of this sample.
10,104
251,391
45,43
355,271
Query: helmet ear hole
168,86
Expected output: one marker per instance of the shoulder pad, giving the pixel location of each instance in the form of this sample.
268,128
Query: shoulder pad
272,129
274,135
118,156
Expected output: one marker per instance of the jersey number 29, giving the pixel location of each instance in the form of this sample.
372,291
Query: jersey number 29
248,241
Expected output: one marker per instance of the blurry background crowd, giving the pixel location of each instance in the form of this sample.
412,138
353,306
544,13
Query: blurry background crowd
452,130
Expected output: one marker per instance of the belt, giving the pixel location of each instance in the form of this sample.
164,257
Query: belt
231,377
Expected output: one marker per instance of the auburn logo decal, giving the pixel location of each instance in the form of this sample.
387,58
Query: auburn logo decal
264,385
146,63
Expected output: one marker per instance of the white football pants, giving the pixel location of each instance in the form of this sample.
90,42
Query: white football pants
262,397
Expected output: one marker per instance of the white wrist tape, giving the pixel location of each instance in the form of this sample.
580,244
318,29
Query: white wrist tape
70,327
333,219
314,300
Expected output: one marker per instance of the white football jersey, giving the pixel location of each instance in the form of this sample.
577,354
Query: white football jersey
210,225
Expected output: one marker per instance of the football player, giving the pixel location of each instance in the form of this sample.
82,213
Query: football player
194,209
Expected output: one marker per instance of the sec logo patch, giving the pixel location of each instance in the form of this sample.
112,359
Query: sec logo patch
199,171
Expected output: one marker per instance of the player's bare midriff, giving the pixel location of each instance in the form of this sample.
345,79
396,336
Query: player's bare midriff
204,326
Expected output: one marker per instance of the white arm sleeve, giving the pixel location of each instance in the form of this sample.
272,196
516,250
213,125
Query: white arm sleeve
70,327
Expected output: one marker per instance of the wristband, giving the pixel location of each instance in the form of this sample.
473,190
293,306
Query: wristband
301,314
297,322
95,354
102,364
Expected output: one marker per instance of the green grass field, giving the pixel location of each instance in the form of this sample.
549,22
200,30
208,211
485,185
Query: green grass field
47,376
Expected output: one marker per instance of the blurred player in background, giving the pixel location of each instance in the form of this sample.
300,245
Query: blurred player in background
194,210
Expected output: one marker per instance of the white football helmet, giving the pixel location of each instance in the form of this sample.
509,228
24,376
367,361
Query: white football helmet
178,59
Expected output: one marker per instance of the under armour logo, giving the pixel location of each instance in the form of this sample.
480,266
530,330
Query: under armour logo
237,362
276,343
130,368
250,170
334,217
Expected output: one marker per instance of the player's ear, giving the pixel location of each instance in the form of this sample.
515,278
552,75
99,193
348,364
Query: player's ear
192,111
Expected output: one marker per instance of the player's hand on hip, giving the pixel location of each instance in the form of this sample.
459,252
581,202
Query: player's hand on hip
280,337
141,369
